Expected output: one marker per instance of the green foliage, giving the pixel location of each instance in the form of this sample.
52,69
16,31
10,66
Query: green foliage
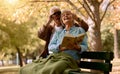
30,16
21,35
17,34
107,38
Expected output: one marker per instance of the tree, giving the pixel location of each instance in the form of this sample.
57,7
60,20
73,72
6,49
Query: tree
91,11
96,10
107,36
115,20
18,26
17,35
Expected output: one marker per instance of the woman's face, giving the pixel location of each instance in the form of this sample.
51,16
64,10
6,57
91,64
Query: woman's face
66,17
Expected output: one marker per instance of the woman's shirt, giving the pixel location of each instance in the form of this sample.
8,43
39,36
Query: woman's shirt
58,37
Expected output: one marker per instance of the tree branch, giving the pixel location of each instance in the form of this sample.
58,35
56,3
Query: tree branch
80,2
47,1
35,1
75,7
106,10
101,1
88,10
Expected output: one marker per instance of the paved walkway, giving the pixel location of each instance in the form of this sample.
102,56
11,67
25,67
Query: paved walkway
9,70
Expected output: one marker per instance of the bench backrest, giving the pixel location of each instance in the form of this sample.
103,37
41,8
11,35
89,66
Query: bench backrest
104,66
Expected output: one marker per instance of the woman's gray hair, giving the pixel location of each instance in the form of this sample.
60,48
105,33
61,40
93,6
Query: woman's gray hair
65,10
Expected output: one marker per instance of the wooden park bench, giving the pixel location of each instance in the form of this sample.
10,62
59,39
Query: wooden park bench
105,65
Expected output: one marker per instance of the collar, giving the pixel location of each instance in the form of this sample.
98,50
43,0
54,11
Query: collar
58,28
72,28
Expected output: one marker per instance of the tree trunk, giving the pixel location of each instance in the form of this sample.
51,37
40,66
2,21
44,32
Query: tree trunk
2,62
95,36
95,42
116,44
20,57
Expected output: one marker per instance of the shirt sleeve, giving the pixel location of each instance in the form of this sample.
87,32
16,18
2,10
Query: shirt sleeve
45,32
53,45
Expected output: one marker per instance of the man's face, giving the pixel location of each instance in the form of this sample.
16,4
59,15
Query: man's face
56,16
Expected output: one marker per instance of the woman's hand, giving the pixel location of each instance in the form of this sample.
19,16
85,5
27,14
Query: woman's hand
65,48
71,46
76,47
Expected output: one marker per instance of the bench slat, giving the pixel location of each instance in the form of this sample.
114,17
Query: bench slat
97,55
106,67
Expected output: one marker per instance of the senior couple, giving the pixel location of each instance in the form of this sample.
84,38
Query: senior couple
62,59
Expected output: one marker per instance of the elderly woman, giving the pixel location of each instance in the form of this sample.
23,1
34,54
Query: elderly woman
73,49
67,54
63,59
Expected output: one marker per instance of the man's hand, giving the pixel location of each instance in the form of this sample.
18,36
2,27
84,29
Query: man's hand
75,16
50,19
